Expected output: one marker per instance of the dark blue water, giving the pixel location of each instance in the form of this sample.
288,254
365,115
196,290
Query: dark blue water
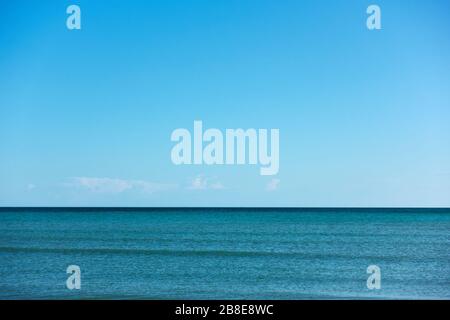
224,254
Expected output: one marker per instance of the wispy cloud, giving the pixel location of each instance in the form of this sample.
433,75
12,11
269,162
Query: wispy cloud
115,186
201,182
217,185
273,185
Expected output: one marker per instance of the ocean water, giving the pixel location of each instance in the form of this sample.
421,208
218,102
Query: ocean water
224,253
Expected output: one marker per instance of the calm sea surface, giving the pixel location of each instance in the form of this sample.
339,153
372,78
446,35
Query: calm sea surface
224,254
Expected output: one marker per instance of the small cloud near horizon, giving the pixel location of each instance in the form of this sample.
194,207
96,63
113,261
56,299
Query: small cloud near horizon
115,186
273,185
201,182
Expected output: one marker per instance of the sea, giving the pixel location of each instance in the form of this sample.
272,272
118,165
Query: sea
224,253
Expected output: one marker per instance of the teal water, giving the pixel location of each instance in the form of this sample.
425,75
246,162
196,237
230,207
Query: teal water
225,254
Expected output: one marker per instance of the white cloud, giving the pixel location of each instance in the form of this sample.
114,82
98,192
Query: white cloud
217,186
273,185
114,186
201,182
198,183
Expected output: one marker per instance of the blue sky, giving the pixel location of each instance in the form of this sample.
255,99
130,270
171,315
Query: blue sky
86,115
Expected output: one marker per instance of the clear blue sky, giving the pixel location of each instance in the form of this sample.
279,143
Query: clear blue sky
86,115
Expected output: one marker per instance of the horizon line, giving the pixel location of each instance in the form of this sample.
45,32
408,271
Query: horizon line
220,207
